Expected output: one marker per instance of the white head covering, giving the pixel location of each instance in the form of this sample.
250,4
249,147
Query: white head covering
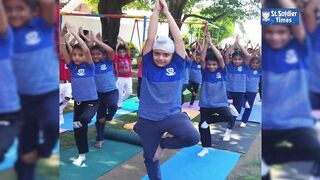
164,43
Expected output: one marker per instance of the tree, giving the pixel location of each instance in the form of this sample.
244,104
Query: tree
111,26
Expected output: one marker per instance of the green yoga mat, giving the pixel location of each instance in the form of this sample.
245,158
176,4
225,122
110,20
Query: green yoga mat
123,136
98,161
130,104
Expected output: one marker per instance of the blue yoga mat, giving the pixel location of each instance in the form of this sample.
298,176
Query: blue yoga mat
11,155
255,115
186,165
68,119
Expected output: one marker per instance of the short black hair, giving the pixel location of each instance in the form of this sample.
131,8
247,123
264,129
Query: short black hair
121,47
255,58
96,47
211,57
238,53
77,46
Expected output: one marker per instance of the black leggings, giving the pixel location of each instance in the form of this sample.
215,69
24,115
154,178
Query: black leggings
83,113
211,116
283,146
193,87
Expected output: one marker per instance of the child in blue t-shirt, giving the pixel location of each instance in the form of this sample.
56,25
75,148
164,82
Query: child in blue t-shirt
10,120
252,82
313,28
213,97
108,94
84,91
194,75
36,67
185,81
160,99
286,114
236,74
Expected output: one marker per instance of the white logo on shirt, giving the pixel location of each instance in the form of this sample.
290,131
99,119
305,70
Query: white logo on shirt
32,38
170,72
103,67
65,66
218,75
240,68
199,66
291,57
81,72
255,72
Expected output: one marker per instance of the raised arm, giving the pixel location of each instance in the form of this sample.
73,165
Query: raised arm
153,28
81,34
228,52
216,52
98,40
48,10
175,31
204,53
82,44
125,44
69,47
62,45
298,30
310,15
3,20
244,50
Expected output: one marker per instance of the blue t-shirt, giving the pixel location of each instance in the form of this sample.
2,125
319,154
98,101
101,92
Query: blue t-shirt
161,88
82,82
284,84
236,78
9,100
195,72
213,89
104,76
35,60
252,81
186,72
314,83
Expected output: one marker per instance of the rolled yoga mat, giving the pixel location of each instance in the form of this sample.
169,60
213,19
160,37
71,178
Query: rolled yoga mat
123,136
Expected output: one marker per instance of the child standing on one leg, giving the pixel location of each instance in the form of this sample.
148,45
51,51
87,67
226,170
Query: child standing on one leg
286,115
160,106
84,90
236,75
124,71
195,75
10,118
108,94
35,64
213,97
252,83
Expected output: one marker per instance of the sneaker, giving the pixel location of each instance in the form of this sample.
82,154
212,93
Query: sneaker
80,161
204,125
265,171
203,152
243,124
226,136
233,110
247,106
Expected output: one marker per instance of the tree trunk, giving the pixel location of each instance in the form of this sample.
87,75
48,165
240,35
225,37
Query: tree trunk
111,26
176,9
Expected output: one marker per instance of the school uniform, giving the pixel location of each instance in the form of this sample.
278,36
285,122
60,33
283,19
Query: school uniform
252,83
84,93
124,77
36,66
286,115
314,83
139,80
213,103
195,80
185,81
10,120
160,111
236,84
107,94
